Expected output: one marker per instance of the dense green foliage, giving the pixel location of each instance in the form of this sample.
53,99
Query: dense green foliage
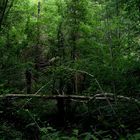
70,47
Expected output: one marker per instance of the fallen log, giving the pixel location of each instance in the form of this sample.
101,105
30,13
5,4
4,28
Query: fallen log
109,96
51,97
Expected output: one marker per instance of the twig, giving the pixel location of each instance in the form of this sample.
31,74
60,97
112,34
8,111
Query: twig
31,98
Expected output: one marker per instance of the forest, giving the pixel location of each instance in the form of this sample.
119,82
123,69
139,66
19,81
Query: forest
69,70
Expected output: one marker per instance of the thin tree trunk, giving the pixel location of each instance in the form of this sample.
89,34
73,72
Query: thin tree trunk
109,39
28,81
37,46
3,12
60,102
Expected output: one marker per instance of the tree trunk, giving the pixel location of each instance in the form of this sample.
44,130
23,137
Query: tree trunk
61,54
